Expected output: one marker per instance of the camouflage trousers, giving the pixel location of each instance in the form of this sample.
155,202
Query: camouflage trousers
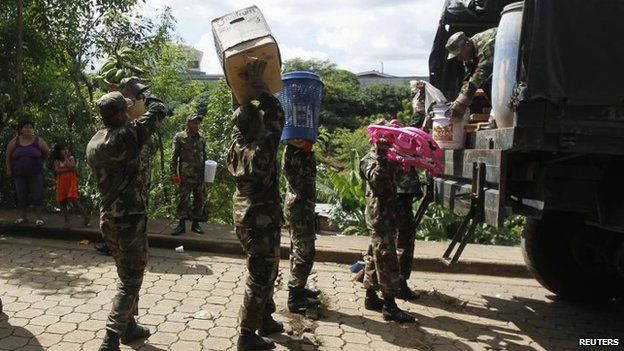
127,239
196,212
406,233
262,247
381,270
302,252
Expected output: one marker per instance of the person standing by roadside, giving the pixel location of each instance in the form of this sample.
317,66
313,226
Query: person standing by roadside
187,170
381,262
252,161
25,156
299,208
114,157
67,183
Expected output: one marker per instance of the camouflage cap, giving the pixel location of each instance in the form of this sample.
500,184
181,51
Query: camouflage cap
194,116
455,44
115,100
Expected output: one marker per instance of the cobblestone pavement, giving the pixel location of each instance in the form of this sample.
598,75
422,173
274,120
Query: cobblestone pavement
57,294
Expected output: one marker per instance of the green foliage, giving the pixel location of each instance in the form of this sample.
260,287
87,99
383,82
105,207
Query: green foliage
384,99
346,191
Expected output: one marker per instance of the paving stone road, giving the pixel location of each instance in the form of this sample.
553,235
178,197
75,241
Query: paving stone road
57,295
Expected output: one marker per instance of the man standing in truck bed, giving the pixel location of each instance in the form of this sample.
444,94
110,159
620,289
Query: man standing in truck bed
477,53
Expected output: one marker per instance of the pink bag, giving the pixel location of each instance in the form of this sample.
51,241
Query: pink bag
411,147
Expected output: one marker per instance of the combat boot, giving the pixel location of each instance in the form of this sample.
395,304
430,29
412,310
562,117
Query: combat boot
372,302
180,228
111,342
270,326
313,293
298,301
249,341
392,312
195,227
405,293
134,331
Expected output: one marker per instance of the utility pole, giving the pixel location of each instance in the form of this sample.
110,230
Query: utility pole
18,59
382,70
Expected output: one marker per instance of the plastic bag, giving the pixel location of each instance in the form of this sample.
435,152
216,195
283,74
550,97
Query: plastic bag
432,95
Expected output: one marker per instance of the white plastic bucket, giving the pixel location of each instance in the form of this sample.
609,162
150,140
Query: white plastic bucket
449,133
210,169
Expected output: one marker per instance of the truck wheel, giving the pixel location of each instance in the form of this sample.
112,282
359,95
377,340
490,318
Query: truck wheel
562,253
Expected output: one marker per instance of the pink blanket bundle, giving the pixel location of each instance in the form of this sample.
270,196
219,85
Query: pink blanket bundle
411,147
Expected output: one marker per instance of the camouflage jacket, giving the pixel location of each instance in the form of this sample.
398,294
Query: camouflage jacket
300,174
147,151
254,165
479,69
379,174
408,182
189,154
114,155
419,113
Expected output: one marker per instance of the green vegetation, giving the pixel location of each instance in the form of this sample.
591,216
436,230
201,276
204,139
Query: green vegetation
61,39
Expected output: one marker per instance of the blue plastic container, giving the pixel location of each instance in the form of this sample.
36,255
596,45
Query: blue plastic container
301,100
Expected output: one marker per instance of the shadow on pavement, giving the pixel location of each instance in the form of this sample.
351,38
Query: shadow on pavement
553,325
16,338
67,270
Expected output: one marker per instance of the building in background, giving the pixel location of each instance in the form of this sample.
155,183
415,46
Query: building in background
376,77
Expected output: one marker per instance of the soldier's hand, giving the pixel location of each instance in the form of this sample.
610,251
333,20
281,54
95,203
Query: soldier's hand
254,71
420,85
382,145
132,88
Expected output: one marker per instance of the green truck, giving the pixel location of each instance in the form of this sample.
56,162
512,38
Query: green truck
562,163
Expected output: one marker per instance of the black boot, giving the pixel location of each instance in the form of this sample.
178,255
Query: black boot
180,228
405,293
197,228
110,342
313,293
392,312
270,326
135,331
248,341
372,302
298,301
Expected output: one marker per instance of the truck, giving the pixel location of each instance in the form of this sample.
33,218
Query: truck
562,163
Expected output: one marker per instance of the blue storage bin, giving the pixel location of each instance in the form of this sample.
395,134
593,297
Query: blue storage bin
301,100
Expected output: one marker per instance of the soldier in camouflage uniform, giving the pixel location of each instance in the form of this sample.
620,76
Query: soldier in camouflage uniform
114,157
381,262
477,53
299,207
187,164
252,160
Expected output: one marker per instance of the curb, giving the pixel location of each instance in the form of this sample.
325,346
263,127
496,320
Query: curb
232,247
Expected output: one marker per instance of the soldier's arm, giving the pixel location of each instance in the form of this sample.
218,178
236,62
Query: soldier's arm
273,118
175,157
418,117
148,123
376,169
482,72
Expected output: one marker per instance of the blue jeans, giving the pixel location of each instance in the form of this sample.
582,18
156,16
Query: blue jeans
29,190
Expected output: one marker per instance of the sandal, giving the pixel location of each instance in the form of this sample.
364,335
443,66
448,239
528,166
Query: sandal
21,220
39,222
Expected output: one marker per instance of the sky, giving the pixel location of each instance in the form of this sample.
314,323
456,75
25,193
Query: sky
357,35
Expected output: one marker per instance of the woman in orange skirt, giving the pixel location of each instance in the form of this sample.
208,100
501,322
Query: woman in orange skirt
67,182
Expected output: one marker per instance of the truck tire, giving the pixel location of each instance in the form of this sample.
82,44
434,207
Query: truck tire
548,247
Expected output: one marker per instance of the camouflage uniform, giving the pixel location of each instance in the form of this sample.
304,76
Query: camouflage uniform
381,262
257,205
408,189
299,207
189,155
479,69
114,157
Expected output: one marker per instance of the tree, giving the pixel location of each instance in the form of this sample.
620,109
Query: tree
320,67
384,99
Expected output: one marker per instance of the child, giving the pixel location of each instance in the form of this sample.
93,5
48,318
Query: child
67,182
